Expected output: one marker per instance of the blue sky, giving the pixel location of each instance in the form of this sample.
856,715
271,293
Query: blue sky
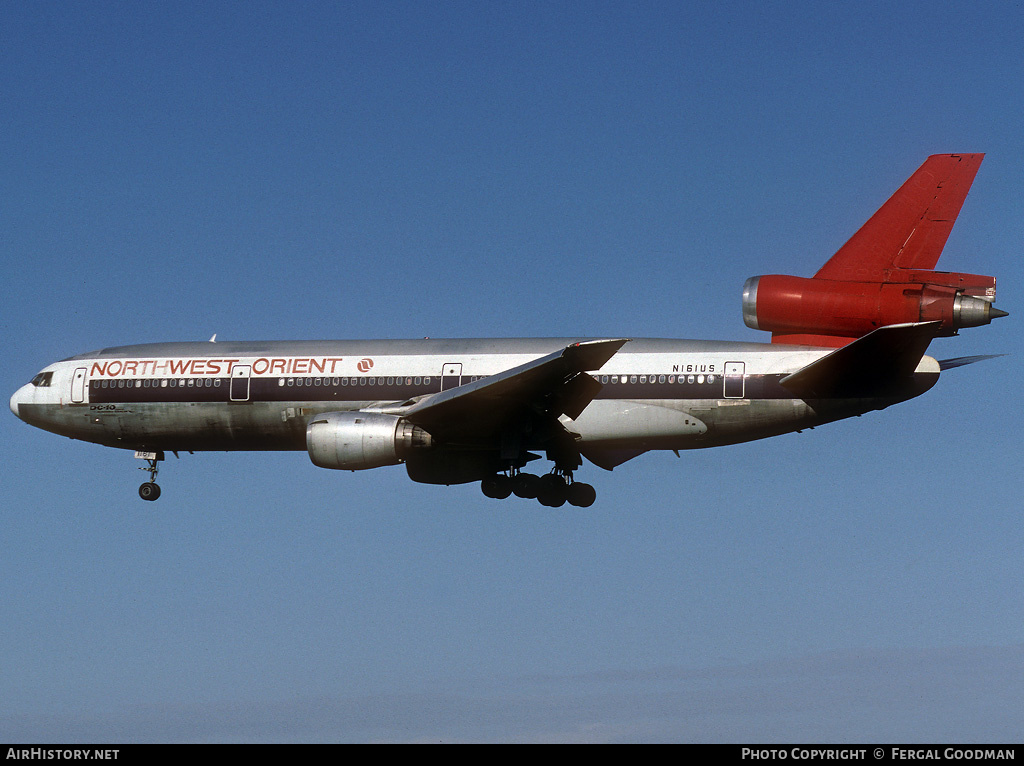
363,170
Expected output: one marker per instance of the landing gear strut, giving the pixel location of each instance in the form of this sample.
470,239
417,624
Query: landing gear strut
150,490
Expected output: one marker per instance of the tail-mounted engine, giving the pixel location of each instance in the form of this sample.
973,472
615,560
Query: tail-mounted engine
354,441
828,312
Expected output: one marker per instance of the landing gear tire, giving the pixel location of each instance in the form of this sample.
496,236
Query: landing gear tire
581,495
525,485
553,491
149,491
498,486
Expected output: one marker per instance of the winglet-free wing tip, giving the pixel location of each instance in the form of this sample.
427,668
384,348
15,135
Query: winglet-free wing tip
592,354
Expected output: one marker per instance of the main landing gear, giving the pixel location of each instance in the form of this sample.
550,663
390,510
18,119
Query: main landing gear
150,490
552,490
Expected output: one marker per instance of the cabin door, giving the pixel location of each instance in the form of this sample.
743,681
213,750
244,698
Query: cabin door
78,386
240,382
735,380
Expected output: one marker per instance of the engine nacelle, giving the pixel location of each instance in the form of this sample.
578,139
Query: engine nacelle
354,441
796,306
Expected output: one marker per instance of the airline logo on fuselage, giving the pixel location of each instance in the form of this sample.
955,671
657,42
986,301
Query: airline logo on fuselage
302,365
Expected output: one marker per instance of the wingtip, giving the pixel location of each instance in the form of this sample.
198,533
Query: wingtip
961,361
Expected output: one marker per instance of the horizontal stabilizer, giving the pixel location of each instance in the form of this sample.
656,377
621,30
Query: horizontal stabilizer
960,361
874,365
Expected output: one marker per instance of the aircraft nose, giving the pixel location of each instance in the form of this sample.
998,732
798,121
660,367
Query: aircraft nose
18,398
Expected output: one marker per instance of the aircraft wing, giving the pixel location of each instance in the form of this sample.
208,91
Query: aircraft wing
869,366
553,385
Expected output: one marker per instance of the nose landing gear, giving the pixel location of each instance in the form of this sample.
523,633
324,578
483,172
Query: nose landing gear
150,490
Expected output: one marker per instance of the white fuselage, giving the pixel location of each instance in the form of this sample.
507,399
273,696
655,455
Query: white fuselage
656,393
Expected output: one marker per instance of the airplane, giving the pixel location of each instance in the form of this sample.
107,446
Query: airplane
849,340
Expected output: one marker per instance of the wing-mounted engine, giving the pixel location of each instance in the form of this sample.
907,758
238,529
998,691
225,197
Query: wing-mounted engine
829,312
353,441
884,274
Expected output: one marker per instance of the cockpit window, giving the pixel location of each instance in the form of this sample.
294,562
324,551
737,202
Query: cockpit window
42,380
